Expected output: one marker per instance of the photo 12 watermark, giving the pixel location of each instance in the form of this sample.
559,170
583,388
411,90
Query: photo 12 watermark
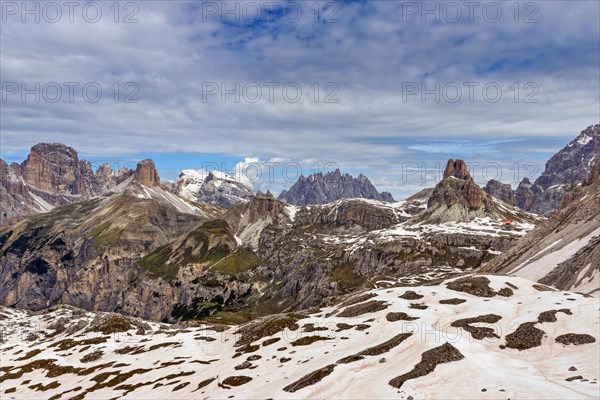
69,92
249,12
452,12
471,92
52,12
269,92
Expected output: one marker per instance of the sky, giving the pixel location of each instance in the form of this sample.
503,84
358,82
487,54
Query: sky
269,90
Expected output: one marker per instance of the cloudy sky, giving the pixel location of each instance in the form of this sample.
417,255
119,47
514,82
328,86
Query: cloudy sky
386,88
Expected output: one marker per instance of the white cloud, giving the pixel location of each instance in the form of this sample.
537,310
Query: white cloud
368,54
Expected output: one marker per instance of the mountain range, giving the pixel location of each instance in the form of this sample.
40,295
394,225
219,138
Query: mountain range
332,268
564,171
326,188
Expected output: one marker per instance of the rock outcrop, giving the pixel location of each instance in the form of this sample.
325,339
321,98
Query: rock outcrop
55,168
457,169
146,174
501,191
457,188
457,198
326,188
51,176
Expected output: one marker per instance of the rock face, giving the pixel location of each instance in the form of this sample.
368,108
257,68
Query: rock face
501,191
457,169
146,174
563,251
568,168
92,254
325,188
264,206
457,187
51,176
525,194
55,168
214,187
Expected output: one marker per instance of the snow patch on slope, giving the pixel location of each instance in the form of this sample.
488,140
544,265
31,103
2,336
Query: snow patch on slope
180,359
537,269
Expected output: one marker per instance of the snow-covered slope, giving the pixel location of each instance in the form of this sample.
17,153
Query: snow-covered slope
210,187
475,337
564,251
158,194
546,260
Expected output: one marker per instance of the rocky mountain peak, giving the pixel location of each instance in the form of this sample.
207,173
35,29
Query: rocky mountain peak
54,168
459,191
325,188
457,198
457,169
52,175
146,174
212,187
568,168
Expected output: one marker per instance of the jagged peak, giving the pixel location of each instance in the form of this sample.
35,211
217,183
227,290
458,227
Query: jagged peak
43,147
322,188
457,169
146,174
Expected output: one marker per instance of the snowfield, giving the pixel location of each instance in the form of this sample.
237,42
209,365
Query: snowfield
547,259
473,337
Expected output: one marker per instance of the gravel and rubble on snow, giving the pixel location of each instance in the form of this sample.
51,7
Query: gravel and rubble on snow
522,343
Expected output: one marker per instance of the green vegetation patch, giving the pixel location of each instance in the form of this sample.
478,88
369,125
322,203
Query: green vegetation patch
105,237
241,261
165,261
347,279
199,308
156,263
112,324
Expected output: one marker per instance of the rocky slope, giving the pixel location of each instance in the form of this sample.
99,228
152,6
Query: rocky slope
212,187
326,188
563,172
425,342
182,260
563,251
311,252
51,176
88,254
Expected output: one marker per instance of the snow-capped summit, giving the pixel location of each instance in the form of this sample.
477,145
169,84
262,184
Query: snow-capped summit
210,187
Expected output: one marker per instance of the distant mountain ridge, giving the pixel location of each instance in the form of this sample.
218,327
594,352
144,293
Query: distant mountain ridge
568,168
51,176
210,187
326,188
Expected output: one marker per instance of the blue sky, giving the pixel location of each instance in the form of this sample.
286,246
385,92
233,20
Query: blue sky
384,86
